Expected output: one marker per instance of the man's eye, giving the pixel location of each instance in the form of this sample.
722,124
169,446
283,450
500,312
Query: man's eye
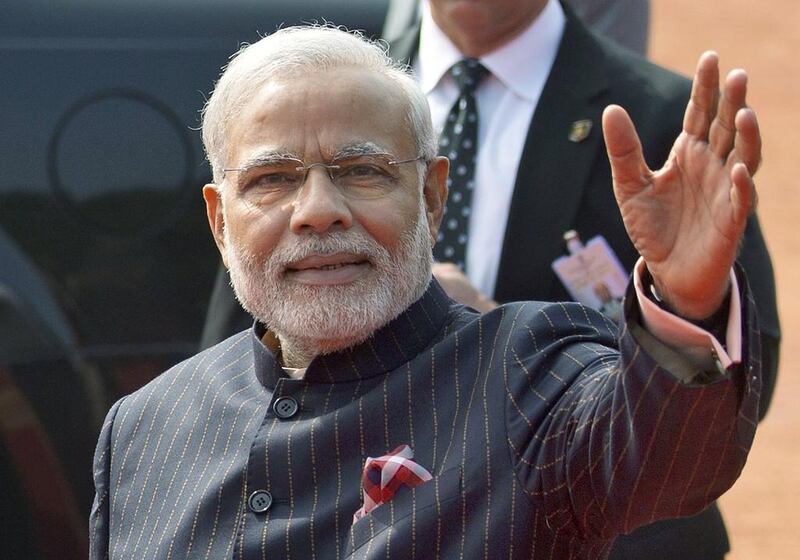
272,180
363,170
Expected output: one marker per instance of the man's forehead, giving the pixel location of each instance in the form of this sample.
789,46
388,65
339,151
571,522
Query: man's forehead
316,117
305,131
346,85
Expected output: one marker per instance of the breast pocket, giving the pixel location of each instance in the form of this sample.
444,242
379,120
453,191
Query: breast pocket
425,502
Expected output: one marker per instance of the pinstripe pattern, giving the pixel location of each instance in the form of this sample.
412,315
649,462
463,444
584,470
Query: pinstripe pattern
543,441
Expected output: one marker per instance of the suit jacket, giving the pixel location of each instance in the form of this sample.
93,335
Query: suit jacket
564,185
542,439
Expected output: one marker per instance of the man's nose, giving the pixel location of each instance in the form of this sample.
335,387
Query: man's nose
319,205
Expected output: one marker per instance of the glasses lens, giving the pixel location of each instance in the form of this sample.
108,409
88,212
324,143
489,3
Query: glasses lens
365,176
272,178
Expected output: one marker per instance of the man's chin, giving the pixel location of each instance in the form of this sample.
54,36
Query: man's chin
325,314
322,333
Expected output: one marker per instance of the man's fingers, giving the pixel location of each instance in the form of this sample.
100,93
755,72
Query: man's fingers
723,127
628,167
747,148
743,194
702,105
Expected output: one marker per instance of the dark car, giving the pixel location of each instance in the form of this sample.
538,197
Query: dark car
106,262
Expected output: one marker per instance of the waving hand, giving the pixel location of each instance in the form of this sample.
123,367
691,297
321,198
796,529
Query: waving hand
687,219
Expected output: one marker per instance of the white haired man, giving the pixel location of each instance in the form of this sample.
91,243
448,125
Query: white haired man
368,415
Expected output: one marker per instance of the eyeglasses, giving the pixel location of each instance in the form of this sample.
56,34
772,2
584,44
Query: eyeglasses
359,176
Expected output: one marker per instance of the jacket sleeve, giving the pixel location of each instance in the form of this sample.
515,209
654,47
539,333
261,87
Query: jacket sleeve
99,516
756,262
623,441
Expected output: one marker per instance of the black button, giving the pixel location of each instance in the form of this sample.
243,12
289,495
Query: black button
259,501
285,407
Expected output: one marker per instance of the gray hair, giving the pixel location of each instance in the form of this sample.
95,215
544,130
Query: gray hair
293,50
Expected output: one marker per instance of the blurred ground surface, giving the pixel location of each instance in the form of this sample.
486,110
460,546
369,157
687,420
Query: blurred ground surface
763,509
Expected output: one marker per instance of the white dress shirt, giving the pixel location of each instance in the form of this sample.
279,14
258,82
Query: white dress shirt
506,101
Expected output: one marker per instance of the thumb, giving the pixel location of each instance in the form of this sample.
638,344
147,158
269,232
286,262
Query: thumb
628,167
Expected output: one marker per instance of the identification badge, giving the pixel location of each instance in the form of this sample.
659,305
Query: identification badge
593,275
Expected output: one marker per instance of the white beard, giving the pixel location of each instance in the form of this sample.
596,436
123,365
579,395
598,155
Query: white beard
322,319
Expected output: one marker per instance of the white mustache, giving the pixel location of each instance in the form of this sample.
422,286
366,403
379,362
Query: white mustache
329,244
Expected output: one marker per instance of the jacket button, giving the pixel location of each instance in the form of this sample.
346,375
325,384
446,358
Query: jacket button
259,501
285,407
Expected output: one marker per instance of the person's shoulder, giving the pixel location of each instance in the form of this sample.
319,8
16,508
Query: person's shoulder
654,95
186,373
641,76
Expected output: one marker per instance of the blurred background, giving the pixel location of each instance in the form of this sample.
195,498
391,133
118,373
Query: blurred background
106,264
762,510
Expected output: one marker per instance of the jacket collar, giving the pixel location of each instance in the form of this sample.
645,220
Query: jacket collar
417,328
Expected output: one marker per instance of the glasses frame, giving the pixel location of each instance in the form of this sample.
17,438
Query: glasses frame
329,167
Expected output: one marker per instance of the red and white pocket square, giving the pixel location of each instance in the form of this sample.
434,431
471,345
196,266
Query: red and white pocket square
383,476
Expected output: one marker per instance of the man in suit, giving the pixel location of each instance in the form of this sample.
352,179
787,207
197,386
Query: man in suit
535,179
514,433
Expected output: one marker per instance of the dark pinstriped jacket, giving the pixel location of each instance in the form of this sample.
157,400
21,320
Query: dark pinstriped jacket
543,440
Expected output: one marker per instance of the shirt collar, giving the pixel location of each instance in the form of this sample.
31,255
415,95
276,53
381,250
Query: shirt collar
417,328
517,64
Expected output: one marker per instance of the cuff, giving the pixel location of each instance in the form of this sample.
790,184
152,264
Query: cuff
697,345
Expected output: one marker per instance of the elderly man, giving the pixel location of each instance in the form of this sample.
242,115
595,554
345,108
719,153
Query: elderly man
366,414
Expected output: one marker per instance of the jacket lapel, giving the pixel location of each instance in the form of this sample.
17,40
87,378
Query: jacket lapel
555,166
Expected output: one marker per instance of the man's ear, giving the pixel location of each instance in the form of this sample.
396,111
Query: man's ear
435,193
216,219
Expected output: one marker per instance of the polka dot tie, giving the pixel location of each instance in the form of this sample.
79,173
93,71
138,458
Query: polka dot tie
458,142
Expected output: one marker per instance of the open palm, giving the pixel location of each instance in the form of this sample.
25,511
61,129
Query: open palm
687,219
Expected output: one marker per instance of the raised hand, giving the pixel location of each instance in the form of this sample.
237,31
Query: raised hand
687,219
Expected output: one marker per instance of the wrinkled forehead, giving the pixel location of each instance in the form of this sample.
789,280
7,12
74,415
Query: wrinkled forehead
316,115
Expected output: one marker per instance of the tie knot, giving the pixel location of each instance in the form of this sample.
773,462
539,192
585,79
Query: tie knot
468,73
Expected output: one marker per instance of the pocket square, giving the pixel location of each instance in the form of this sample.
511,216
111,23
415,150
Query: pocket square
383,476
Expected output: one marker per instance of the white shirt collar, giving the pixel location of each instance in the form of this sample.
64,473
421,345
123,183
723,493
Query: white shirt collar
517,63
295,373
